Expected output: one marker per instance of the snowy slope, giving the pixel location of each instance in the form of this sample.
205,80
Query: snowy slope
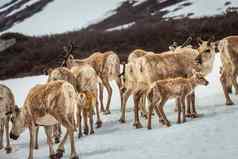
199,8
212,136
61,16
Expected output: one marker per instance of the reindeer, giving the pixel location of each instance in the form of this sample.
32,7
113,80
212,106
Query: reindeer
107,67
86,103
7,105
87,80
162,90
59,73
46,105
141,73
228,52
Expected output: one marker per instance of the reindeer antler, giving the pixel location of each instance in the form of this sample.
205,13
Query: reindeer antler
68,50
187,42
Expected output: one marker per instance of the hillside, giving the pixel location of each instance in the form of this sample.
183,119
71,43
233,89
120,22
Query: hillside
111,29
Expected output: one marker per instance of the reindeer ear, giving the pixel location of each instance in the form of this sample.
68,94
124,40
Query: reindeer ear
71,57
199,40
49,71
210,40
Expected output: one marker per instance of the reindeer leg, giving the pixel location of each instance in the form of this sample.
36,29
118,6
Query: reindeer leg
109,91
234,81
36,138
2,121
57,132
136,98
99,122
8,147
124,101
32,130
161,110
178,104
194,112
142,106
101,97
149,115
223,80
188,100
182,101
85,119
119,85
79,123
48,132
91,122
70,131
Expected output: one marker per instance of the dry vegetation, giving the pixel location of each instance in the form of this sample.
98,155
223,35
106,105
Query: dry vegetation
32,54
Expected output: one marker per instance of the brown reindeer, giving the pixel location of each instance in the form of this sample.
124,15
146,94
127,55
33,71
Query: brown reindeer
162,90
46,105
87,80
86,103
141,73
107,67
228,52
7,105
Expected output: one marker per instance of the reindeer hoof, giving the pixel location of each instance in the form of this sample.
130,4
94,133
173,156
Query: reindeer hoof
54,156
188,115
194,115
85,131
229,103
57,140
107,112
178,122
102,110
99,124
168,125
122,120
8,149
80,135
36,147
75,157
138,125
91,132
162,121
1,146
60,153
149,128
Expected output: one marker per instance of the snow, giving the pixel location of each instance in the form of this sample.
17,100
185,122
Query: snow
60,16
138,2
2,2
23,7
212,136
5,8
199,8
121,27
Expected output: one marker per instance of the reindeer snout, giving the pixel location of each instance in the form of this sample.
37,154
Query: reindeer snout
14,137
206,83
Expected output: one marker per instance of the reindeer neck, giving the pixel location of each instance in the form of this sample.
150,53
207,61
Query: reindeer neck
192,83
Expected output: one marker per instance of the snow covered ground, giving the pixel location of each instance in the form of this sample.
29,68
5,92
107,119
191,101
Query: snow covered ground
199,8
61,16
212,136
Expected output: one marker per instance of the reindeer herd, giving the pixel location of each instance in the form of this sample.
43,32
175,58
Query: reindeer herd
71,92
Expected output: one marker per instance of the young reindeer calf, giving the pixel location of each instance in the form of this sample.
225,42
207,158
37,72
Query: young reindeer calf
86,103
179,88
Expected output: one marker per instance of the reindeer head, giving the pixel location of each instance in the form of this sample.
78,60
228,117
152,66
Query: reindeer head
206,55
199,79
18,123
68,57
